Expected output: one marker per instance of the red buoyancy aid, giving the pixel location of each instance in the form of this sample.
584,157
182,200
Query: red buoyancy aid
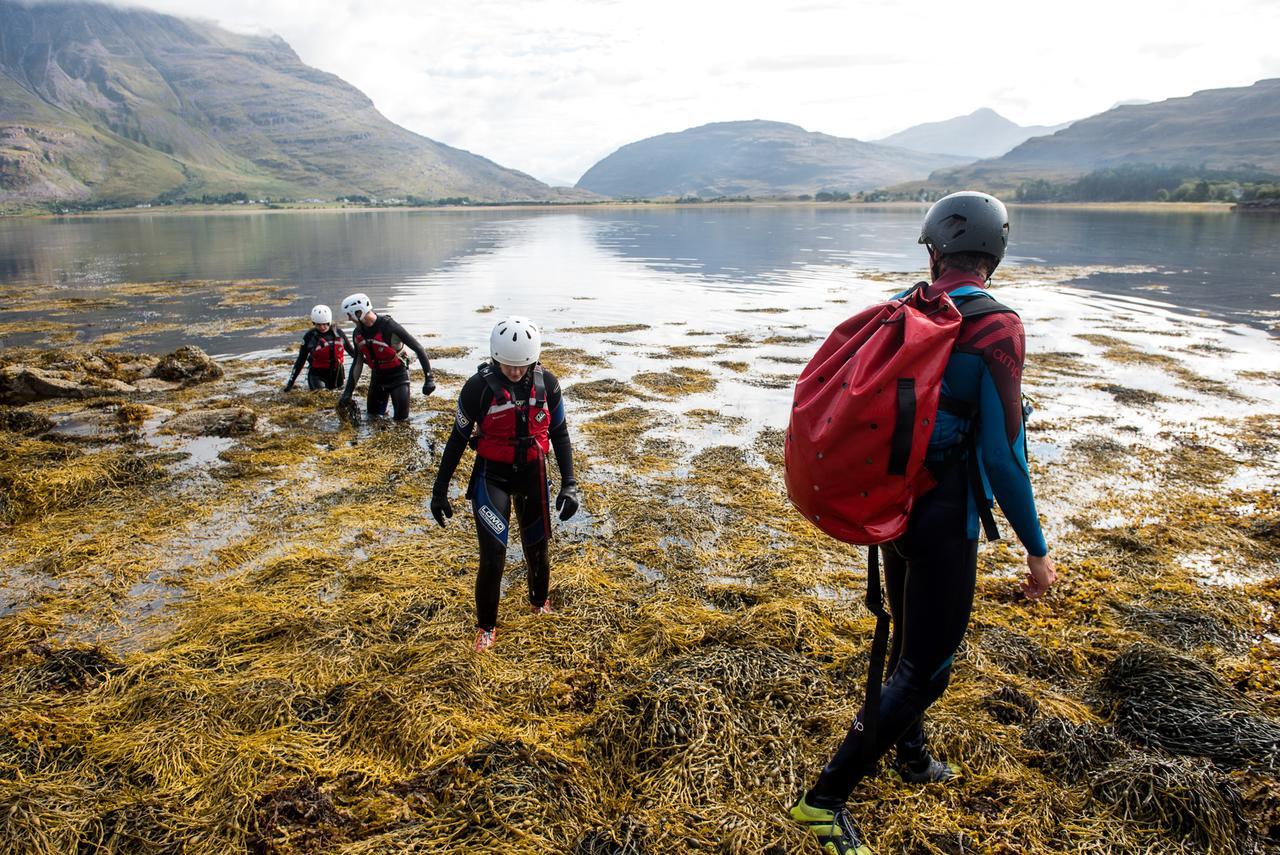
375,349
510,426
864,411
327,353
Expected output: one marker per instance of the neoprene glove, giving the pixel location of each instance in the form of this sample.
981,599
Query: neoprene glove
344,401
440,508
567,501
429,385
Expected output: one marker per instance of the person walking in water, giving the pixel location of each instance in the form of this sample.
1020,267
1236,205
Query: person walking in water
381,344
977,439
323,348
513,407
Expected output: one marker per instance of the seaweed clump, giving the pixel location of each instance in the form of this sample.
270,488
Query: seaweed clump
1175,703
1180,795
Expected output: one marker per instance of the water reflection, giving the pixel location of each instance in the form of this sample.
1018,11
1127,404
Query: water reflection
439,267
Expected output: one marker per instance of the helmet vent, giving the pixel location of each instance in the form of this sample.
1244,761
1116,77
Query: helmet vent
528,335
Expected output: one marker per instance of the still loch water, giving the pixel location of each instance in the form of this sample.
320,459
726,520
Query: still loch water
614,266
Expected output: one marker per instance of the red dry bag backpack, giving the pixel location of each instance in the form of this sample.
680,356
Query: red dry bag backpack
864,410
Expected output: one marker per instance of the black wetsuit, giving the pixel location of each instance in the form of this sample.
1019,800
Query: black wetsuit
330,378
386,385
495,488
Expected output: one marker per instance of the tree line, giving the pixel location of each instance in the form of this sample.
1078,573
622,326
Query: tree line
1149,183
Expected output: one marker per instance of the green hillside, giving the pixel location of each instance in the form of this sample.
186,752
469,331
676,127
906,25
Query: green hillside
103,103
1222,130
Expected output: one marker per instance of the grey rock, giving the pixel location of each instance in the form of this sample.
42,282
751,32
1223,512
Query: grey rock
22,384
187,364
221,421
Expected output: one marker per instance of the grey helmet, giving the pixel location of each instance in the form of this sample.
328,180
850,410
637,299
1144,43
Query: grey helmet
967,221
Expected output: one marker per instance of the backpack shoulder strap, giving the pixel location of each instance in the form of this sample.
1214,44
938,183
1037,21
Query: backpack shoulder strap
974,302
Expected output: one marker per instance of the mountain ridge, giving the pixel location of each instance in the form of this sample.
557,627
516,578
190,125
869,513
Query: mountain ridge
99,102
1222,129
753,157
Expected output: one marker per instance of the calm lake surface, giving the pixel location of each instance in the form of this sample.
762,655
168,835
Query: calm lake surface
437,268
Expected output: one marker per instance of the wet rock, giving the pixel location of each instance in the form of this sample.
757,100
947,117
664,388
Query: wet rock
24,422
223,421
136,368
22,384
154,384
187,364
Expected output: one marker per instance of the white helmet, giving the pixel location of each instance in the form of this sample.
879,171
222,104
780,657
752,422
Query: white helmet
356,305
515,341
321,315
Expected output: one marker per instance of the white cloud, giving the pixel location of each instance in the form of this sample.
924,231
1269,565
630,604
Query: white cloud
549,86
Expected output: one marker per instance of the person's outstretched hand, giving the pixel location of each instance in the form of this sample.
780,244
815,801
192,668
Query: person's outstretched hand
1040,576
567,501
429,385
440,508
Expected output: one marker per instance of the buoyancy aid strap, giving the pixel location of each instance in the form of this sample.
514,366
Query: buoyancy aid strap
539,387
989,527
493,382
904,427
957,407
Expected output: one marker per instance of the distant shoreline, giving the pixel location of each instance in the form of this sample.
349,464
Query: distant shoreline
223,210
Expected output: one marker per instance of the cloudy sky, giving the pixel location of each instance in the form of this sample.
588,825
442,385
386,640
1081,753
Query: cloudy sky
551,86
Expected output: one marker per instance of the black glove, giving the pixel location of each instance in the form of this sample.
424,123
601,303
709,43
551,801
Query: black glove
429,385
344,401
440,508
288,387
567,501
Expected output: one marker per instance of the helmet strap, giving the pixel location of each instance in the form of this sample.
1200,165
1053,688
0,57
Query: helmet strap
935,262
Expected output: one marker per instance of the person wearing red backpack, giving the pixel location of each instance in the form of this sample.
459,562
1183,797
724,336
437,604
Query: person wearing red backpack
322,351
515,409
975,451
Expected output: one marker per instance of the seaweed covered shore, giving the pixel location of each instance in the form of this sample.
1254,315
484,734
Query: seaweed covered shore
228,623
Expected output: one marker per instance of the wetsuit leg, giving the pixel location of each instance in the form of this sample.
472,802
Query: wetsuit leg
316,380
400,402
492,507
533,510
376,402
911,745
937,597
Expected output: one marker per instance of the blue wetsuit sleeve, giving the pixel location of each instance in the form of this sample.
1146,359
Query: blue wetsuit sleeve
1005,464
